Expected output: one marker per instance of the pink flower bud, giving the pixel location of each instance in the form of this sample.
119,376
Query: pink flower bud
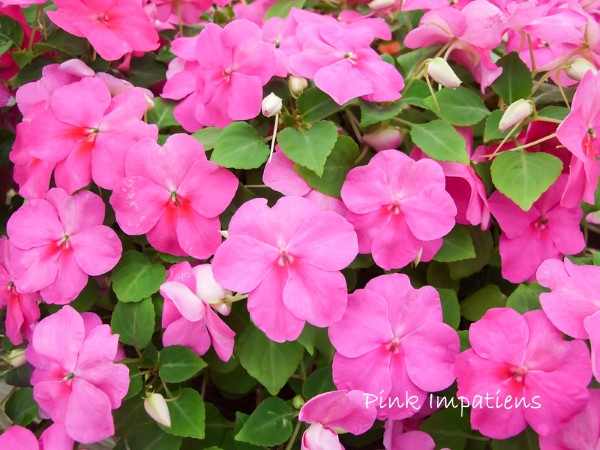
206,286
156,407
271,105
578,68
385,139
297,85
515,113
440,71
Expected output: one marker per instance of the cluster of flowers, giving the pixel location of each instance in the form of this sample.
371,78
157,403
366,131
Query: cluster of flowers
81,127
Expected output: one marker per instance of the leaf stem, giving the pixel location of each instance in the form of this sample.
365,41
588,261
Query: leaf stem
294,435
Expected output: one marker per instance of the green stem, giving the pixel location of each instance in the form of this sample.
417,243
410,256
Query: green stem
294,435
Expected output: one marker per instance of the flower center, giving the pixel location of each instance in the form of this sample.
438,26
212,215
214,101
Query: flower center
102,18
69,376
542,222
588,143
285,259
518,373
227,73
10,286
394,345
394,207
64,242
350,57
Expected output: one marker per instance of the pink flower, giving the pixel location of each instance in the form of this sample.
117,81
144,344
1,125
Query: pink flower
75,381
399,208
578,134
331,412
87,133
289,259
521,372
189,11
396,437
22,310
174,195
581,432
18,438
546,231
188,316
342,63
573,305
396,332
113,27
59,241
225,81
281,34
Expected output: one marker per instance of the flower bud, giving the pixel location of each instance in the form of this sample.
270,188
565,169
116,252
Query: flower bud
440,71
578,68
156,407
271,105
515,113
207,288
298,401
385,139
16,357
381,4
297,85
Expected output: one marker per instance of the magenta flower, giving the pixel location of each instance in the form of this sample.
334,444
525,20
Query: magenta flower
521,372
233,64
546,231
289,259
342,63
578,134
75,381
22,310
174,195
396,332
396,436
113,27
190,295
399,208
88,133
332,412
573,305
59,241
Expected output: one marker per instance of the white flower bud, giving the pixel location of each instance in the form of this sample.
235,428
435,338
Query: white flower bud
156,407
515,113
297,85
381,4
271,105
579,67
206,287
440,71
385,139
16,357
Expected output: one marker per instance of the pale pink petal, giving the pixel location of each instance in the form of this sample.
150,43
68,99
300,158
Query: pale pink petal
188,304
69,282
221,335
197,236
318,437
366,189
369,373
34,224
193,335
18,438
97,249
89,417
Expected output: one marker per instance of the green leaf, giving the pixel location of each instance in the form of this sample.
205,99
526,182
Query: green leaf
416,93
484,245
526,297
60,40
339,163
273,364
135,381
458,245
269,424
240,147
134,322
162,114
450,307
32,71
146,71
188,415
410,61
491,132
178,363
554,112
527,440
208,136
459,106
524,177
135,277
151,437
21,407
240,421
281,8
477,304
11,34
373,112
515,82
314,104
321,380
449,428
309,148
441,141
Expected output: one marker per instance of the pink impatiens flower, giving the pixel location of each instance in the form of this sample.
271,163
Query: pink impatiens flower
399,208
396,437
396,332
289,259
75,381
174,195
331,412
22,310
546,231
113,27
521,371
58,241
226,72
190,295
573,306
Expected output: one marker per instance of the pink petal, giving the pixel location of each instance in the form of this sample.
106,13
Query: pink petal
18,437
369,373
395,246
188,304
34,224
366,189
197,235
221,335
318,437
97,250
193,335
280,176
356,83
163,236
36,268
245,97
69,282
78,212
82,103
429,215
592,325
89,417
55,437
75,171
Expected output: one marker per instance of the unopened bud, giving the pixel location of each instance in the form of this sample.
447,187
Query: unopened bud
271,105
297,85
156,407
440,71
16,357
385,139
298,401
579,67
381,4
515,113
206,286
